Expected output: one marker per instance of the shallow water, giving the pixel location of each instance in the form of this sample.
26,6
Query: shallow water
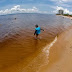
18,48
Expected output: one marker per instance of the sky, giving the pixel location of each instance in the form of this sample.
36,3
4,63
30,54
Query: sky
35,6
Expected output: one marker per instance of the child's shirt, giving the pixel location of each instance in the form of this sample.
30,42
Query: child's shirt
38,30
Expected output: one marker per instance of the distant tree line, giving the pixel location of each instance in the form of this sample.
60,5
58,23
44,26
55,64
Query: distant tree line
65,15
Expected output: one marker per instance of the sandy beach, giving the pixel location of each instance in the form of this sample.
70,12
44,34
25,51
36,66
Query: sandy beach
20,52
66,16
60,59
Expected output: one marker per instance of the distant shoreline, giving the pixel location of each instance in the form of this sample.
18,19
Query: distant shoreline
65,16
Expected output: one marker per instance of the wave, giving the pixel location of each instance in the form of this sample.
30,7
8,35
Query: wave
40,60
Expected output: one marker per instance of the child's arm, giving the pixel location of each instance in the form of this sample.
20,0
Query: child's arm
42,29
35,32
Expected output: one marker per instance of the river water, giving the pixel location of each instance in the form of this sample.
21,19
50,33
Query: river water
19,50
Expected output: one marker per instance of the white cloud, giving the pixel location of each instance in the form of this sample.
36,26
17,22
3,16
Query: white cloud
62,0
65,10
18,9
63,3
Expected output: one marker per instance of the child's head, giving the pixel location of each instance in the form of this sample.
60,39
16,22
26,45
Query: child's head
36,25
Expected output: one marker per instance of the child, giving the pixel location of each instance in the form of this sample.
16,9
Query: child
37,31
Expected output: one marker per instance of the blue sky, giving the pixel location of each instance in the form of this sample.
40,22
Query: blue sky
41,6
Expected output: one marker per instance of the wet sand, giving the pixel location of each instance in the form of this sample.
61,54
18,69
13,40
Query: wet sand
60,59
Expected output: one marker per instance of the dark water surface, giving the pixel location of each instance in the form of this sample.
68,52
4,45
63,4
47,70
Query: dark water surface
17,42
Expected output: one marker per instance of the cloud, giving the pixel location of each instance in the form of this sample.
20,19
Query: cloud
18,9
65,10
62,0
64,3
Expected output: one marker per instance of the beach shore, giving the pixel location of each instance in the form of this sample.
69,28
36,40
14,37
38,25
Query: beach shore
65,16
52,53
60,58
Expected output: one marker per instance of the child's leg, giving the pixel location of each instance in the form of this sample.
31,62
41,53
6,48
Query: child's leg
36,35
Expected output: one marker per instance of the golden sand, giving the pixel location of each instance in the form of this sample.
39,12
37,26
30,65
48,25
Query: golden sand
60,59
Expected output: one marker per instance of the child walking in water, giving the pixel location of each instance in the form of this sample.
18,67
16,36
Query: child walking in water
37,31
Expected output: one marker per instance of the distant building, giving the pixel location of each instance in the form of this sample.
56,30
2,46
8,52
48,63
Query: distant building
61,12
